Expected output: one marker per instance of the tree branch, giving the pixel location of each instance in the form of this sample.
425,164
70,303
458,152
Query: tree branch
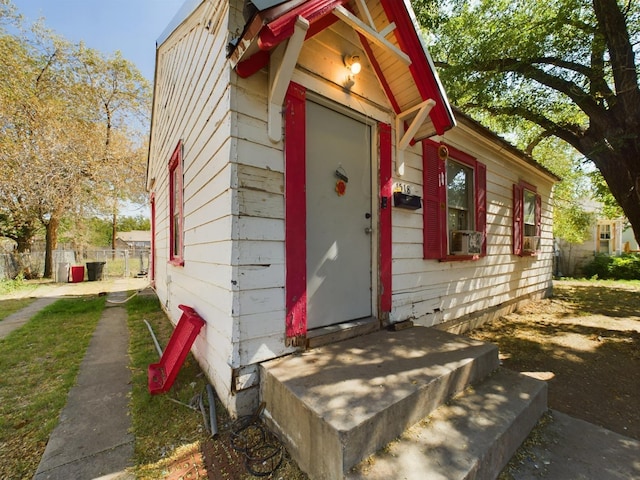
613,26
572,90
572,134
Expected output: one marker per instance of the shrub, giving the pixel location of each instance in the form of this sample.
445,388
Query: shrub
624,267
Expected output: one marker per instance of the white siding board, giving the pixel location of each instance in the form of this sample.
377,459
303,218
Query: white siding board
254,203
261,301
262,324
253,154
254,228
260,253
258,277
264,348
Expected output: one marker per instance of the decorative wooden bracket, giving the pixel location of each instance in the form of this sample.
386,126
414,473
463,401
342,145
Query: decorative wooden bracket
369,31
403,139
281,65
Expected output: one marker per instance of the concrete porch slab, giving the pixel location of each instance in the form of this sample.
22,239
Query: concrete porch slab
335,405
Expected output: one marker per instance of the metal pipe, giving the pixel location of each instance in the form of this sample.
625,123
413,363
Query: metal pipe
155,340
213,421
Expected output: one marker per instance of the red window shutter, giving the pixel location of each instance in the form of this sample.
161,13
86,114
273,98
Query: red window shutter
538,216
481,203
295,215
385,216
518,219
434,229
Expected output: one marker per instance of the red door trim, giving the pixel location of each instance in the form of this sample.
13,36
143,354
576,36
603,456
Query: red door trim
295,216
386,188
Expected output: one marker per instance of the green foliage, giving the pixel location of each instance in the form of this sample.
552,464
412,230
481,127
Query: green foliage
563,69
571,223
624,267
610,206
129,224
8,286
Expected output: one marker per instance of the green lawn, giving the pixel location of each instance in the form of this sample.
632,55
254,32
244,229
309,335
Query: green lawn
39,364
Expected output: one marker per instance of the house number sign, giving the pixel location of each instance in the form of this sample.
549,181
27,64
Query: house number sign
402,188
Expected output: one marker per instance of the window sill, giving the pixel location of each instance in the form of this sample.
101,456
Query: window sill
178,262
460,258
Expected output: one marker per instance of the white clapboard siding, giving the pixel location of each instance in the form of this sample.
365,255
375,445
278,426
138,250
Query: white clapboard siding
429,291
192,104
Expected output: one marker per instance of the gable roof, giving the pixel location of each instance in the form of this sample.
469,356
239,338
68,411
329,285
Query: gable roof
490,134
388,33
135,236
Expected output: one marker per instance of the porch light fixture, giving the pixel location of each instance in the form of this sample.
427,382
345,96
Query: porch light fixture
352,62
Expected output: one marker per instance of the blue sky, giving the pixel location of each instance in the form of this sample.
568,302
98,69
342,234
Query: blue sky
131,26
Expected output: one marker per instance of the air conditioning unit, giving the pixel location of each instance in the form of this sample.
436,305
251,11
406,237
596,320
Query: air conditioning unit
531,244
466,242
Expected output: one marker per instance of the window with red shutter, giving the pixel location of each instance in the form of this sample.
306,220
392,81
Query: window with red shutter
455,204
176,221
527,219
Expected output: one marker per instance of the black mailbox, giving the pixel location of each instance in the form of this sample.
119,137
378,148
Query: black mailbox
403,200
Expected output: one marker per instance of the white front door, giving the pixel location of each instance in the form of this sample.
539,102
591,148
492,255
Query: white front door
339,262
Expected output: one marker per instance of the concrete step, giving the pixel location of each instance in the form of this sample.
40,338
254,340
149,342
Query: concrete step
333,406
471,437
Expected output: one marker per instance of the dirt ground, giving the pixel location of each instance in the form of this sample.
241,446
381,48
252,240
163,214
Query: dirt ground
585,341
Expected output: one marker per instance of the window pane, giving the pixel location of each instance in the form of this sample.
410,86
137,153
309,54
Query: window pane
459,186
459,196
176,235
529,208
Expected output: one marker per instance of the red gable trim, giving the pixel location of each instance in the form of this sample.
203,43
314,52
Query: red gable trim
282,27
378,69
421,67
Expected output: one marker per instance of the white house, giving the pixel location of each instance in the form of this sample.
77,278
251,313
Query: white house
309,182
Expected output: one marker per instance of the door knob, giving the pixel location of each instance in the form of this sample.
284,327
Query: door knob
368,230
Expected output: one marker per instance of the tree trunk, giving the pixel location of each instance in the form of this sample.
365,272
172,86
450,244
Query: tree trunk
51,243
24,243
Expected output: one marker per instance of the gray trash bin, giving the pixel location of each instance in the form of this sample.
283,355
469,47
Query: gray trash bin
62,274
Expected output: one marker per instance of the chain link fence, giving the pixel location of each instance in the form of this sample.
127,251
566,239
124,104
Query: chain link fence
104,263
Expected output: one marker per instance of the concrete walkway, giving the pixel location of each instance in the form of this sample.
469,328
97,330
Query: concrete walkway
572,449
19,318
92,439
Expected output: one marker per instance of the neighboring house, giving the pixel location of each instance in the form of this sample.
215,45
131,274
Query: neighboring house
629,242
135,240
293,198
606,237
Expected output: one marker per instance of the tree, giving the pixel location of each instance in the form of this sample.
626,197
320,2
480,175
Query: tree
67,139
122,97
562,68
